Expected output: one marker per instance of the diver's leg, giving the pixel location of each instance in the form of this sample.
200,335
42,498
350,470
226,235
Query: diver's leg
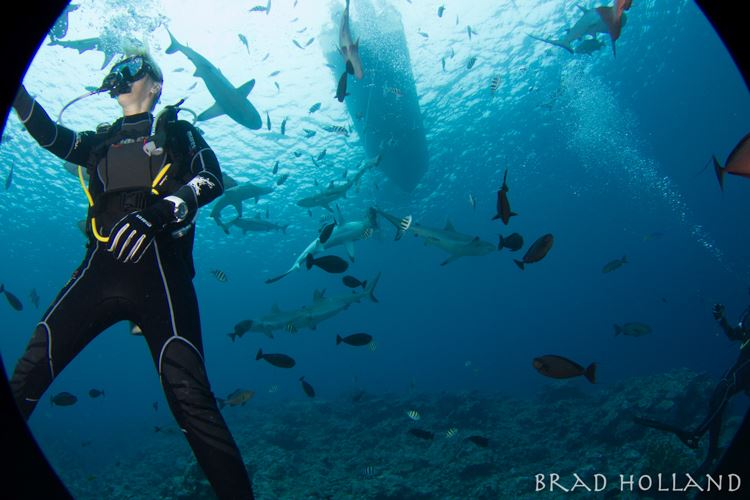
76,316
171,325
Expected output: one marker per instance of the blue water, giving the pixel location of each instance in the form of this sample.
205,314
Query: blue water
601,152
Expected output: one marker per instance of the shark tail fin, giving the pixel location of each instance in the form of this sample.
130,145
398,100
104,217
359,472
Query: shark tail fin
624,259
519,263
618,329
2,288
309,261
338,339
556,43
232,336
719,172
222,403
590,373
501,243
349,68
371,288
372,217
259,355
496,217
174,45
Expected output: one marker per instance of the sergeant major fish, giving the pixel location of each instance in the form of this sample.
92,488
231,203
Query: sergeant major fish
615,264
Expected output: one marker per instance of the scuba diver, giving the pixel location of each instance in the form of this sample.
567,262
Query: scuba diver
736,379
144,192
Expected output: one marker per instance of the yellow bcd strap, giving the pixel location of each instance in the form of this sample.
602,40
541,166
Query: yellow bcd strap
104,239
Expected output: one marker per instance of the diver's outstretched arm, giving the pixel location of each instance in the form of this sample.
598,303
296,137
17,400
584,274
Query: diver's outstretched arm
61,141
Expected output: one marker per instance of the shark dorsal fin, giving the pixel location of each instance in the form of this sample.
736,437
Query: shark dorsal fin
275,309
318,295
246,88
449,226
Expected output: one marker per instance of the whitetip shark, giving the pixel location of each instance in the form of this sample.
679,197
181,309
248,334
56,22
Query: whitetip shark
234,197
457,244
348,48
344,233
311,315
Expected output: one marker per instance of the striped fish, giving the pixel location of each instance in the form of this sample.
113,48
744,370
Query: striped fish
451,432
220,275
372,346
495,84
337,129
413,414
369,471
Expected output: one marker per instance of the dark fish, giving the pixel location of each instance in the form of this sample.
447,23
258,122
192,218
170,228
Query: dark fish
424,35
314,108
155,405
241,329
12,299
328,263
308,133
537,251
283,126
512,242
555,366
632,329
278,360
309,212
9,179
192,86
268,121
353,282
307,388
310,41
244,42
479,441
258,8
274,73
615,264
268,7
295,42
322,154
738,162
34,297
355,339
503,205
275,168
266,56
468,30
95,393
421,434
278,89
220,275
340,89
157,428
267,213
441,9
63,399
470,62
282,179
442,62
325,233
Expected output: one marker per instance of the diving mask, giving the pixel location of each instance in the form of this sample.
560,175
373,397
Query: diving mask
122,75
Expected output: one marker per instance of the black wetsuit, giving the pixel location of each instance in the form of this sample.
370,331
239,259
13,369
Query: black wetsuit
156,292
736,379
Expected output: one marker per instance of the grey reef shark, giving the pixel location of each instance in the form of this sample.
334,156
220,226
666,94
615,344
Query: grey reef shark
229,100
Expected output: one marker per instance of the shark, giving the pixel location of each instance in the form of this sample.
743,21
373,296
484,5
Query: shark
257,224
105,44
335,191
229,100
457,244
344,233
234,197
591,23
348,48
311,315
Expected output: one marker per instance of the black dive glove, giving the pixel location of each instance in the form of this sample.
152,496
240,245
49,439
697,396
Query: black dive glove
134,233
718,311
